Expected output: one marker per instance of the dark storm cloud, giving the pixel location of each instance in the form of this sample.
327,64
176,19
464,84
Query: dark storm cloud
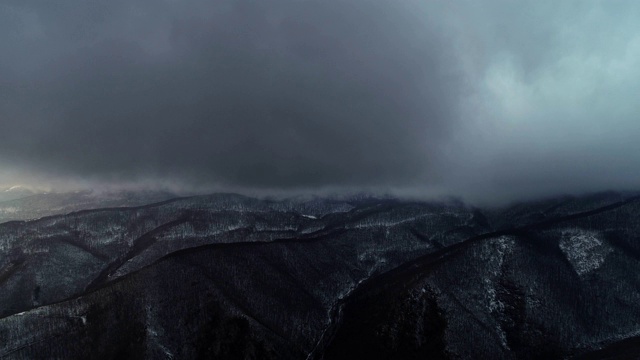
492,100
554,107
277,94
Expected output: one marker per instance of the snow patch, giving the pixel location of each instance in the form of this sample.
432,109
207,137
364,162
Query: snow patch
496,252
501,247
584,250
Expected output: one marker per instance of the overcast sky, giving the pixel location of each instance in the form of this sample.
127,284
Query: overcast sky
487,100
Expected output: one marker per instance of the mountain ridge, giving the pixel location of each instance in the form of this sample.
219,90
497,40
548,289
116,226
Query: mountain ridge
366,246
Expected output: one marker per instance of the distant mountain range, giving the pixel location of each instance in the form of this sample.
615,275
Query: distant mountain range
19,203
231,277
15,192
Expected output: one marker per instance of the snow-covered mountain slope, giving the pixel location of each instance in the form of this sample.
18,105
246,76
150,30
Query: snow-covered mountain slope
226,276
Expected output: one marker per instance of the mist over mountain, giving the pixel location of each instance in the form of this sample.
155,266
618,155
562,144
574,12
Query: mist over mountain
15,192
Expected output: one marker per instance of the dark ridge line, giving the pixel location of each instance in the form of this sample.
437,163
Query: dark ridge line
330,230
145,206
417,264
84,247
338,223
414,268
110,209
165,202
206,247
387,279
579,215
572,196
127,208
169,257
411,266
97,210
420,236
316,236
99,282
15,222
103,275
555,207
148,239
134,251
357,204
139,245
437,255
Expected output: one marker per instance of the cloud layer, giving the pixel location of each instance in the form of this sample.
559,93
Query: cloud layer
554,107
491,101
